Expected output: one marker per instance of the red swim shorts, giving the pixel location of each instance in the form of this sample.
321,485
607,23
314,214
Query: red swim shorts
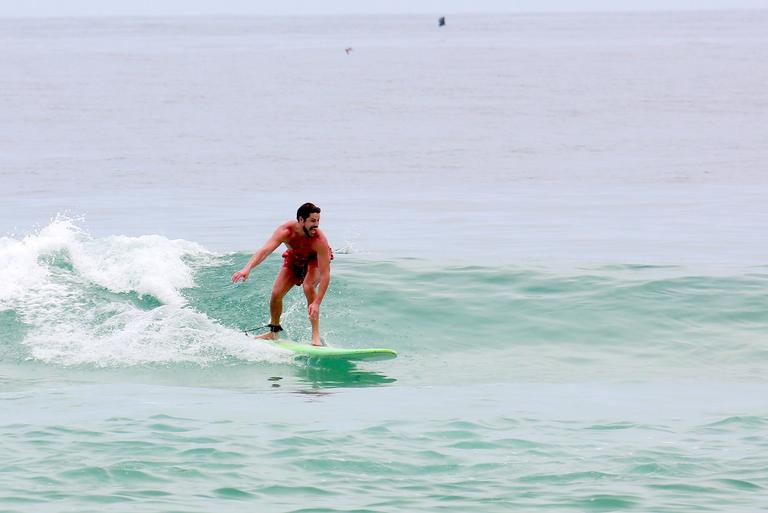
299,264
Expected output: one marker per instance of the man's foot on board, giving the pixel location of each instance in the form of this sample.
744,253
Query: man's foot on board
272,334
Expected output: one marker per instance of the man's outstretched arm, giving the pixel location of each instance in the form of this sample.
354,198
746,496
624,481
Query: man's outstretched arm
259,256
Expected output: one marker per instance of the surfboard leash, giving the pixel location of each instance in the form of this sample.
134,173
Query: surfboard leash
274,328
255,329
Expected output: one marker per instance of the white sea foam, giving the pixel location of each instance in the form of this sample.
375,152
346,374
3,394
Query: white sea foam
21,272
348,248
62,282
131,336
147,265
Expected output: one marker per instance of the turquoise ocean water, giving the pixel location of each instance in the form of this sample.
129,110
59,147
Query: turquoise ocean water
557,221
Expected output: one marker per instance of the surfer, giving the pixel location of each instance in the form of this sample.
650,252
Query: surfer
306,262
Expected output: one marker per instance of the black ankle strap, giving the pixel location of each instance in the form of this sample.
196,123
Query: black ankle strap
275,328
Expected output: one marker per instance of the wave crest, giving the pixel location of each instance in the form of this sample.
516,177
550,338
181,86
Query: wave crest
110,301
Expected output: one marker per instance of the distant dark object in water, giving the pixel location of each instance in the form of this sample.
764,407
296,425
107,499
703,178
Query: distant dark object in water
441,22
348,50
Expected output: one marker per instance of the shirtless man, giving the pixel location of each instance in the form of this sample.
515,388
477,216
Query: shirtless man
307,262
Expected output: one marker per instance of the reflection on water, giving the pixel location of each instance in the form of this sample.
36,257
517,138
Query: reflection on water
337,374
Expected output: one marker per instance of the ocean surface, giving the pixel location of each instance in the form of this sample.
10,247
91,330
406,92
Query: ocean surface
558,221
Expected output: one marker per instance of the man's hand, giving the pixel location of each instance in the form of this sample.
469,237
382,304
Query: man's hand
241,275
314,311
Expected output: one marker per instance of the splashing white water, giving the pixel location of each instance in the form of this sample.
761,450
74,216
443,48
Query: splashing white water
147,265
78,295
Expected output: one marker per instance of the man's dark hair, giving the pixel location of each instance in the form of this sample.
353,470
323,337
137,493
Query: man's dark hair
306,210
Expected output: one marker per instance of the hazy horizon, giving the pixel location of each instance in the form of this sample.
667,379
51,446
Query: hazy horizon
94,8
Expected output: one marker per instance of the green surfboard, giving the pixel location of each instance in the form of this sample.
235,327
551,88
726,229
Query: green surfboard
337,353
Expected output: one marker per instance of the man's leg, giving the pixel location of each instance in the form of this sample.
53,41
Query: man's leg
310,290
283,283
